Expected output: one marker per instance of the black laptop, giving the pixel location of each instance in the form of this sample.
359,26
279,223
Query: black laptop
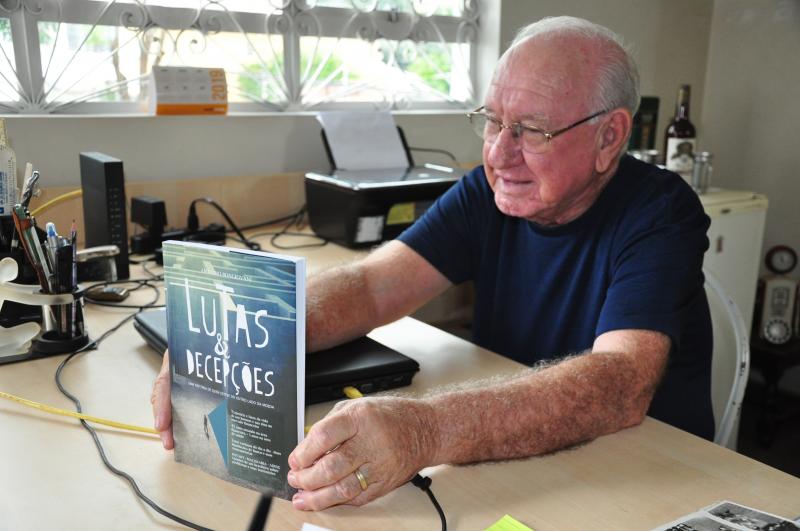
364,363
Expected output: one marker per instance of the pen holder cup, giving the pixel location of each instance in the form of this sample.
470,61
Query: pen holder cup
63,327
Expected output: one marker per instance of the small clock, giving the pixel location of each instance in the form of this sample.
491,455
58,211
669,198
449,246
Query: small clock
781,259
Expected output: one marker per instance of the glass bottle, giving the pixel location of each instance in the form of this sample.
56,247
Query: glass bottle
681,137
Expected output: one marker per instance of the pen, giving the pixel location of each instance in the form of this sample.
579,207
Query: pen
52,243
73,238
30,243
39,250
27,191
28,174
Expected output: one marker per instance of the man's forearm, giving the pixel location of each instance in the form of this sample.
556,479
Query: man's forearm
574,401
339,307
349,301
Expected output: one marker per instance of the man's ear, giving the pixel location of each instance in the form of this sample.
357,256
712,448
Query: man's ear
613,136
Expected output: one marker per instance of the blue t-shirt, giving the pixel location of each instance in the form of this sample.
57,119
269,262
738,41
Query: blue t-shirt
633,260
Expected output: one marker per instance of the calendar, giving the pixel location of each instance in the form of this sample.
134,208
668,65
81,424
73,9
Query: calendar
188,90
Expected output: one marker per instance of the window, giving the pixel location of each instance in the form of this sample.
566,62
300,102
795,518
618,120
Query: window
73,56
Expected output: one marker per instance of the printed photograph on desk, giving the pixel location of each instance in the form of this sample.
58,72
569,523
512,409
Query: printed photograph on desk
729,516
236,334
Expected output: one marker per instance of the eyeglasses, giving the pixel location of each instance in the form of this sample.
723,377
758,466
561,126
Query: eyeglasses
534,140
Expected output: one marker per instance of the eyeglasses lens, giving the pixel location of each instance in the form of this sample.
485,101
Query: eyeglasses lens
481,126
488,130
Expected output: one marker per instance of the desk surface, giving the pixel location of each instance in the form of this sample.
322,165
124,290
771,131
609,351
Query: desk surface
52,476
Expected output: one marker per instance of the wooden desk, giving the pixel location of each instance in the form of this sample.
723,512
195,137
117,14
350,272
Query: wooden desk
52,477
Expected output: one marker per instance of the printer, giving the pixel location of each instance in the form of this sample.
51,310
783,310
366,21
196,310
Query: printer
362,206
359,208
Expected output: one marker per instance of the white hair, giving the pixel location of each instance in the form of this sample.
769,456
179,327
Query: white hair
618,77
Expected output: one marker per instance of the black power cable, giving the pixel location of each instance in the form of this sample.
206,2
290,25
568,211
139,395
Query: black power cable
192,222
434,150
268,222
298,220
152,275
259,519
139,283
114,470
424,483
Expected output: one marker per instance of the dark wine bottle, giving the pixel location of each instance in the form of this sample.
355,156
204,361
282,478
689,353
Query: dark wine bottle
680,137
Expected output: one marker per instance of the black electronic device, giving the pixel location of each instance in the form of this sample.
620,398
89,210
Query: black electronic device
104,218
776,309
212,234
776,315
107,293
363,363
359,208
150,213
365,207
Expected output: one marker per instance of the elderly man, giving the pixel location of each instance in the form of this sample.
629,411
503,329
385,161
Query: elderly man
581,257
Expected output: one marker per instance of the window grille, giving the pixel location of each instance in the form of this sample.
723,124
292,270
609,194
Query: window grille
84,56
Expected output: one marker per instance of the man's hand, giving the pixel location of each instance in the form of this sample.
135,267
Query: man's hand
162,407
387,440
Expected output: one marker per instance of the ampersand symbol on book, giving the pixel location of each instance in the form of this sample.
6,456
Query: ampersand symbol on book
221,348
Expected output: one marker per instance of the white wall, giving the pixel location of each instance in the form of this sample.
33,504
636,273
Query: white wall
185,147
752,107
668,38
751,112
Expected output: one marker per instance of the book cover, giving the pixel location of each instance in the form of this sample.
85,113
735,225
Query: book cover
236,335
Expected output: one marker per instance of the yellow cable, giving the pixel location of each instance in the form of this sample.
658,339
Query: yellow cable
349,392
352,392
56,200
66,413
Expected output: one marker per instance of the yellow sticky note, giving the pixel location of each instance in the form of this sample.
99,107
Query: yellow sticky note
400,213
506,523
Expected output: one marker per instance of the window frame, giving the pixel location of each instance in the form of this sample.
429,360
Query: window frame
28,60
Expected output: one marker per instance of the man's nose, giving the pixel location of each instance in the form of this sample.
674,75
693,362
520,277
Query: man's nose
505,149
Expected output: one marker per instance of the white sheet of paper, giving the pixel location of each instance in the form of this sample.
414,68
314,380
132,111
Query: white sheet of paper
312,527
363,140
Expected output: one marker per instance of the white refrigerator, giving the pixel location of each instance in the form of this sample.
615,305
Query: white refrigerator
735,238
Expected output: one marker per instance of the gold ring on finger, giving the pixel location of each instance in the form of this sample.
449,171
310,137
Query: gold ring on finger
362,479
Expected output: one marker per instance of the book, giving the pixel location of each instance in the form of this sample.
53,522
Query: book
729,516
236,336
